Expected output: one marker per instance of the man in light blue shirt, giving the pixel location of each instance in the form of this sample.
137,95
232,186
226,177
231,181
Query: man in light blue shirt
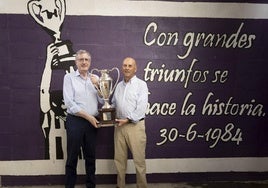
130,100
81,99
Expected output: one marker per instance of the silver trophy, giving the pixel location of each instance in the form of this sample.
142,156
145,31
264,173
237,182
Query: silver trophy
106,88
49,14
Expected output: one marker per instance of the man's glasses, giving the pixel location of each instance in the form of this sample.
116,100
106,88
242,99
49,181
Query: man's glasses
83,59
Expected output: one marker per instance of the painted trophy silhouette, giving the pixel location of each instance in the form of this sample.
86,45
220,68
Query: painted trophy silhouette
50,16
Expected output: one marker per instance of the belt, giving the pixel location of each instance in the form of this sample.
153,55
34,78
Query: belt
97,117
131,121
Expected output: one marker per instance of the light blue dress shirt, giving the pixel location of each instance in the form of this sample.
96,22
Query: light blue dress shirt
79,94
131,99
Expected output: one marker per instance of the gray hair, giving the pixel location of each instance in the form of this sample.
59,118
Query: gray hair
82,52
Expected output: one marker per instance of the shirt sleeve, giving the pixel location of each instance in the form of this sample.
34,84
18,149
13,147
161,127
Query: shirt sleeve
68,95
113,103
142,102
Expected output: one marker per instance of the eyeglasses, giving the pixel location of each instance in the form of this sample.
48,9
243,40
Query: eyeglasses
83,59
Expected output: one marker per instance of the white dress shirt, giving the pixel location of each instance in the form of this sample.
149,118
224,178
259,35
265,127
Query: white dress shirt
80,94
131,99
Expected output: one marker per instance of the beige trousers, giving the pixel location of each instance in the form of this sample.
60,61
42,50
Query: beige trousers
132,136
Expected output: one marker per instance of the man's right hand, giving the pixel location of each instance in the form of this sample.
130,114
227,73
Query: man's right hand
93,121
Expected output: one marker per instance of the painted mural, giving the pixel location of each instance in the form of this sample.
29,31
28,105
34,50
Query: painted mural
60,56
206,76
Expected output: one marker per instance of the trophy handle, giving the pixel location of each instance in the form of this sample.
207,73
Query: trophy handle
62,9
91,72
118,76
31,6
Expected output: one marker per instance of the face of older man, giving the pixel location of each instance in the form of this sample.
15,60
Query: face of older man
83,62
129,68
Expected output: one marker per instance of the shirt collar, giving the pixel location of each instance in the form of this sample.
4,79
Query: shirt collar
131,80
77,73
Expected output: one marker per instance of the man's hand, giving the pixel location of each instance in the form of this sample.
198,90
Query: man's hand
121,122
95,81
93,121
89,118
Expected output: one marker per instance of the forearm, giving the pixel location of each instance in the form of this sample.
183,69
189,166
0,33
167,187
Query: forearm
44,89
84,115
88,117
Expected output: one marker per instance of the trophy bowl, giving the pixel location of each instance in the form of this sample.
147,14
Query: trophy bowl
50,16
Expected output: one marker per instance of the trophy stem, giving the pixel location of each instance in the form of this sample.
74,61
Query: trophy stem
106,104
57,38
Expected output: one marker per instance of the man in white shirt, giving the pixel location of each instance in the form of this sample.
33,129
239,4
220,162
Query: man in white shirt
130,100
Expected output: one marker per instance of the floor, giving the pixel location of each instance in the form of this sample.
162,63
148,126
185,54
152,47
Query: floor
259,184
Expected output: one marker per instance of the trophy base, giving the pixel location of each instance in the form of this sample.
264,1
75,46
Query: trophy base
107,117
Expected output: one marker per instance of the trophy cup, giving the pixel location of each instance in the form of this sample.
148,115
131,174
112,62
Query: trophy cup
50,16
106,88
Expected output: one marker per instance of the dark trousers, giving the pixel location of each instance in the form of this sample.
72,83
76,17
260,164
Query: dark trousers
80,133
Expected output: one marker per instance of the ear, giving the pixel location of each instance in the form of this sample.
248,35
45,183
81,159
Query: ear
75,61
